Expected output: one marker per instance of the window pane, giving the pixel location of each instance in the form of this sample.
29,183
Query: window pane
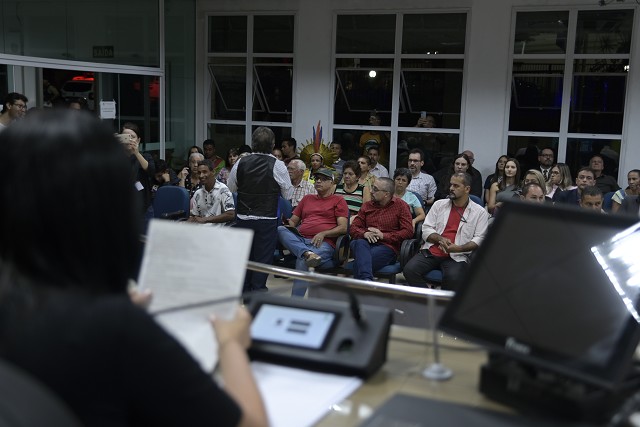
281,133
273,34
604,31
541,32
272,89
597,102
227,34
439,149
225,137
358,94
580,151
228,88
432,86
536,96
442,33
526,148
366,34
355,143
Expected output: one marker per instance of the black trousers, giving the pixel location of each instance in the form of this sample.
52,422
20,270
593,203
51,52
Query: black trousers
265,236
423,262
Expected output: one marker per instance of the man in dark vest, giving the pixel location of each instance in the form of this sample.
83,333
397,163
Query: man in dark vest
259,179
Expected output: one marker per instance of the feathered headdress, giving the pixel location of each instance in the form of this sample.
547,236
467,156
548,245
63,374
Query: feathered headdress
317,146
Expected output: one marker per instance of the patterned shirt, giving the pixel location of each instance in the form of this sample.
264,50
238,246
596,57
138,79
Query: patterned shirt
301,190
393,220
212,203
379,171
354,199
424,185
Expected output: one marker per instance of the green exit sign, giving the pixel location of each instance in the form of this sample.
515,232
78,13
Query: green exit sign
103,51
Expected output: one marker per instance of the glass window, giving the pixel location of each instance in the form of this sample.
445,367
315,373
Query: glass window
541,32
273,34
272,89
442,33
604,31
536,95
228,88
433,86
226,137
597,102
366,34
227,34
526,149
439,149
580,151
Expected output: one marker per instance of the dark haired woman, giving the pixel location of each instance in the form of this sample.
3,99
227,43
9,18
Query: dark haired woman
354,193
68,249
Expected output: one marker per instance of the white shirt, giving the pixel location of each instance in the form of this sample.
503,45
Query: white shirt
472,229
212,203
424,185
379,171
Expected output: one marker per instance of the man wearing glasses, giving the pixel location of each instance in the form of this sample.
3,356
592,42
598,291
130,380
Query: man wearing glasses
379,229
546,158
421,183
14,108
585,178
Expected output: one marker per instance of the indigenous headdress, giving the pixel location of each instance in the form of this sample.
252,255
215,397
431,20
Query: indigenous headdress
317,146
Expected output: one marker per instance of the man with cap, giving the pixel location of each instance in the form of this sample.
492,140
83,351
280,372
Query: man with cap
320,219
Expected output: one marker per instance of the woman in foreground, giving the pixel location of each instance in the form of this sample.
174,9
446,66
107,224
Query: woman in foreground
67,250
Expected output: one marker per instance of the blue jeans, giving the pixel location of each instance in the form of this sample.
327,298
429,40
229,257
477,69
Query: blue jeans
370,258
298,246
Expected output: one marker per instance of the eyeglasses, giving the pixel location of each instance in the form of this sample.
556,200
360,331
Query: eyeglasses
20,106
375,189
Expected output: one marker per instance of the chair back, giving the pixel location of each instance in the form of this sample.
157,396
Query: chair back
171,202
476,199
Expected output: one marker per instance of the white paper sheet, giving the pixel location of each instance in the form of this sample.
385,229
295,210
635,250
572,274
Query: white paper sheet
299,398
186,264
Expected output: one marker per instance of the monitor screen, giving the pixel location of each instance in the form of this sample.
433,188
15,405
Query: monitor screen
541,288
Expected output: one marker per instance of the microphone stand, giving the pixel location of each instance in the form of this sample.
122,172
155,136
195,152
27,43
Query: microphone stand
435,371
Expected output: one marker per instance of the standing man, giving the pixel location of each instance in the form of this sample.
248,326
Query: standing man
605,183
301,187
321,217
13,108
209,150
476,176
421,183
546,159
338,163
379,229
289,149
453,229
376,168
585,178
259,179
212,203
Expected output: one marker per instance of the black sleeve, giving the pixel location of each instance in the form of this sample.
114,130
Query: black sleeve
166,385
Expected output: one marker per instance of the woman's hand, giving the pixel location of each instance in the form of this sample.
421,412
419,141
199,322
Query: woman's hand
235,330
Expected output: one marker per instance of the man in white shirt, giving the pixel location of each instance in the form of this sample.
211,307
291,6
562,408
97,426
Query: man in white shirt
13,108
211,204
376,168
421,183
453,229
301,187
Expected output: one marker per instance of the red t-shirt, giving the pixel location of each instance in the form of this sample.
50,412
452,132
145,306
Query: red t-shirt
320,214
450,231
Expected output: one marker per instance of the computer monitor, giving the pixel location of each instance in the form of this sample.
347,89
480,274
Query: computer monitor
547,287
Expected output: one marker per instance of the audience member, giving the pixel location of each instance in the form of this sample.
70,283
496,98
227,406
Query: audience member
476,176
560,179
533,192
78,104
13,108
535,176
496,176
277,153
354,193
546,159
402,179
338,163
163,175
209,150
195,149
321,218
459,164
454,228
67,318
591,198
188,176
379,229
585,178
316,162
232,157
630,206
633,189
604,182
259,179
289,150
142,166
366,177
212,203
373,138
505,189
420,182
376,169
301,187
428,121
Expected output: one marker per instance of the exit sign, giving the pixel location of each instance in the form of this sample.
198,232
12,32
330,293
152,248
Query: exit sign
103,51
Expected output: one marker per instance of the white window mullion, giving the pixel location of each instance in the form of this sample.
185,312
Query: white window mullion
567,85
249,82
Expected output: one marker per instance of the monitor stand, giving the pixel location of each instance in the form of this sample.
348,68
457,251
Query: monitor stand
531,390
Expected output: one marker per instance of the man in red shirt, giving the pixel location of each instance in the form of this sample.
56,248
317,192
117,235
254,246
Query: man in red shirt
321,218
379,229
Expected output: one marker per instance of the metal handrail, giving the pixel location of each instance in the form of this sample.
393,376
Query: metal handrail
312,276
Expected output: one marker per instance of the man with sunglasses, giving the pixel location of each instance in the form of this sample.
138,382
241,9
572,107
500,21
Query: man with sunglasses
13,108
379,229
453,229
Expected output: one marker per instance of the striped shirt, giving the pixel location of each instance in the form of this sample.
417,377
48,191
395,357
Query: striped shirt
354,199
